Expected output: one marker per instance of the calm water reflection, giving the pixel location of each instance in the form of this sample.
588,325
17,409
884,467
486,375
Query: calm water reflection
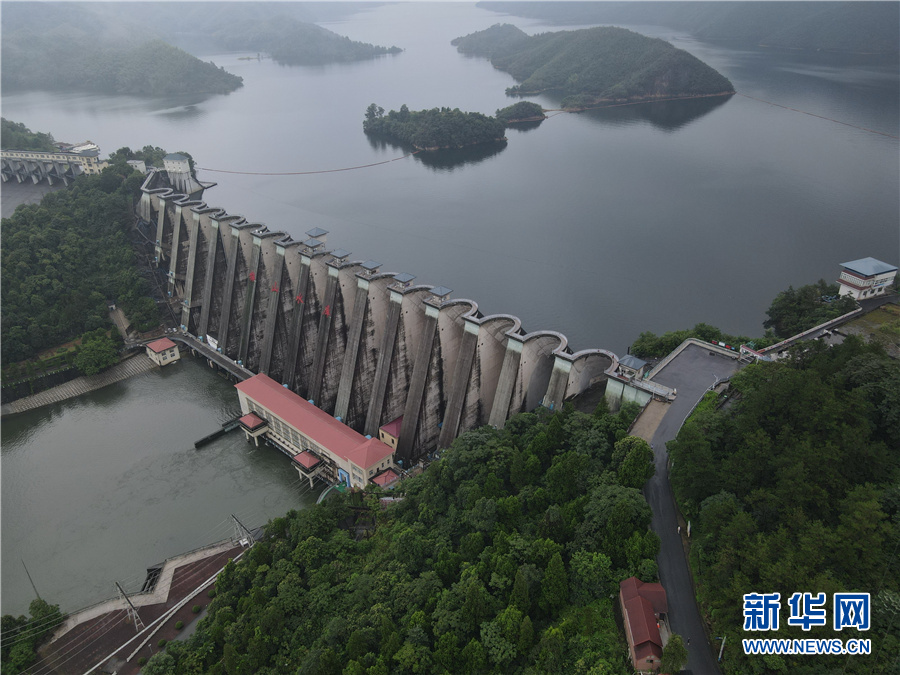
98,488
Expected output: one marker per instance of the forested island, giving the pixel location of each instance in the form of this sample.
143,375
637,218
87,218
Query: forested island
523,111
433,129
152,68
861,27
594,65
503,557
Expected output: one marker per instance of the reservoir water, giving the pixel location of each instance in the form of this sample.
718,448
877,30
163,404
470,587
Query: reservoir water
99,488
599,225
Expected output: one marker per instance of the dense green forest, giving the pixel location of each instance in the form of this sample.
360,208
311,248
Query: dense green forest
16,136
503,557
865,27
794,311
65,259
23,635
433,129
521,112
650,345
596,64
65,62
792,486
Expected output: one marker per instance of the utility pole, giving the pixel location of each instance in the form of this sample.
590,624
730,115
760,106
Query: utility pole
138,624
242,534
31,580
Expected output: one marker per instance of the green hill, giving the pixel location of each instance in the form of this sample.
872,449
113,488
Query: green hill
59,61
293,42
865,27
595,65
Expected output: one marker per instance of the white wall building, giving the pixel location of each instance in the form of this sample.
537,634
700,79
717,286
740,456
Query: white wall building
866,278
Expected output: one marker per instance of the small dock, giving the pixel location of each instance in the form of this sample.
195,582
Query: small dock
228,426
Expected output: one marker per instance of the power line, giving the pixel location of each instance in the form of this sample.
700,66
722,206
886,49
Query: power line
555,111
308,173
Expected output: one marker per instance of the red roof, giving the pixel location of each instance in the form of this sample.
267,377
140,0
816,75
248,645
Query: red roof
633,587
161,345
393,428
306,459
313,422
252,421
385,478
642,622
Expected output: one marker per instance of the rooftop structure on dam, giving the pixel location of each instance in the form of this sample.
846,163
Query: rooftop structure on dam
364,345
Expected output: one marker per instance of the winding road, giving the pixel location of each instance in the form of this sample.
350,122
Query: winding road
692,373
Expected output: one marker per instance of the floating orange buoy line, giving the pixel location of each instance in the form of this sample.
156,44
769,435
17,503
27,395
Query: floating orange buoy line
821,117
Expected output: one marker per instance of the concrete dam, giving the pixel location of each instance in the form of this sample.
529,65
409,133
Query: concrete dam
365,346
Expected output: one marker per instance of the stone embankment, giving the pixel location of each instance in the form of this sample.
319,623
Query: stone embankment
134,365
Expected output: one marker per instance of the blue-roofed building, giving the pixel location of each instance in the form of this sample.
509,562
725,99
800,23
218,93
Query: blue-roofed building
866,278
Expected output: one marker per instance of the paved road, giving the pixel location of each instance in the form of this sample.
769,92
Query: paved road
692,372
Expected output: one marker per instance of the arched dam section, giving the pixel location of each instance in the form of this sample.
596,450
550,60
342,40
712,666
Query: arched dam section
364,345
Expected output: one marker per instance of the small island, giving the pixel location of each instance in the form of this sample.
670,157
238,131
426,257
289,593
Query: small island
523,111
594,66
434,129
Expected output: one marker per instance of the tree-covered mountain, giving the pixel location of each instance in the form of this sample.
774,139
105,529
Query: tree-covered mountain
279,29
864,27
294,42
503,557
59,61
433,129
595,65
791,482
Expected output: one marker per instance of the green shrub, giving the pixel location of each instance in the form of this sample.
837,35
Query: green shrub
142,661
196,609
161,643
179,625
211,592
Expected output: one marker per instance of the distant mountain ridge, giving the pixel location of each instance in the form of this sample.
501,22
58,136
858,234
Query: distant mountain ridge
861,27
594,65
127,48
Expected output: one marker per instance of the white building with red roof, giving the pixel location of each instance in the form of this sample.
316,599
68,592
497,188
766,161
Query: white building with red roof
644,610
318,444
163,352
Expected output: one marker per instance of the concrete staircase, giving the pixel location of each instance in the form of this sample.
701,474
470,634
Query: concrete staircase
130,367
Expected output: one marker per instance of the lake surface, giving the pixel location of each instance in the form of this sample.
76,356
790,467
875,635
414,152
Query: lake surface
99,488
599,225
